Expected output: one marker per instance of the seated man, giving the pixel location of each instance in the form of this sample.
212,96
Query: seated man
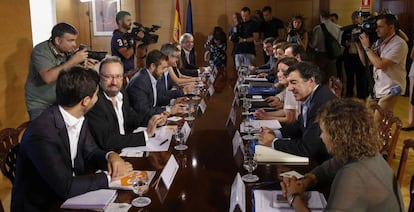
142,89
302,135
166,85
188,56
112,119
58,156
268,66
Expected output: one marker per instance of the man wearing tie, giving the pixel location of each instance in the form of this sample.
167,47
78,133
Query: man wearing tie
302,137
142,89
188,56
58,156
112,120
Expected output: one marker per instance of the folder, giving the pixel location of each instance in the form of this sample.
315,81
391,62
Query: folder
268,154
94,200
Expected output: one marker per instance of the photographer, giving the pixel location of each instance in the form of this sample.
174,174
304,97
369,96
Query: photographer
388,55
48,59
354,69
123,43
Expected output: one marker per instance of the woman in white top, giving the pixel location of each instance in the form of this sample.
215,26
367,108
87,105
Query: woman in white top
290,105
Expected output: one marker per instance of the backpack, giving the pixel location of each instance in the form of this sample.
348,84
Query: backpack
333,48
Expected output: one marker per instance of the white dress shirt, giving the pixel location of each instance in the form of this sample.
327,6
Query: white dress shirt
119,101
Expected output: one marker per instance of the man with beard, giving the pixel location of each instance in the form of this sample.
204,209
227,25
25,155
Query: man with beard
123,43
302,136
142,89
112,120
48,59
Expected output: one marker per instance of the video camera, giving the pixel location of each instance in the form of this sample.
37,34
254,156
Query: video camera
149,38
368,26
96,55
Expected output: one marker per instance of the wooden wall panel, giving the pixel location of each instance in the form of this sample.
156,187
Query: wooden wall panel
16,44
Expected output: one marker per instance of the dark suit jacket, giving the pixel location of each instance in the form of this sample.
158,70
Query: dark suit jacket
104,127
44,168
172,91
141,96
306,141
189,69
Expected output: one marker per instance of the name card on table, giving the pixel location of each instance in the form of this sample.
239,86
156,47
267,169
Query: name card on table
232,117
211,79
211,90
186,130
235,102
202,106
238,195
237,142
168,173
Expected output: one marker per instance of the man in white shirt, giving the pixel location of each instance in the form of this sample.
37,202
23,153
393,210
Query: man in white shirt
58,154
388,55
112,120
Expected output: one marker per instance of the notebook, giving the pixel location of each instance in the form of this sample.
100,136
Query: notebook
94,200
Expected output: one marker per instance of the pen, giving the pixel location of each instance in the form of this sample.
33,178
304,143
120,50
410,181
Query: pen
163,142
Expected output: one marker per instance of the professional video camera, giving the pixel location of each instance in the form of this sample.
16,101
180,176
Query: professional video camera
96,55
148,38
235,37
368,26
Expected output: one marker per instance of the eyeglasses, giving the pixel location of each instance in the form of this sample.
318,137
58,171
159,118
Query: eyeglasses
109,78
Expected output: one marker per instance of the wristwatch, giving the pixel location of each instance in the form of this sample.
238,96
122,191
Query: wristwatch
366,49
291,198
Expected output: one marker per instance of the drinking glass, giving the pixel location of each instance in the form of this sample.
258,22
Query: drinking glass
250,165
197,92
179,139
140,186
190,116
247,104
248,127
243,91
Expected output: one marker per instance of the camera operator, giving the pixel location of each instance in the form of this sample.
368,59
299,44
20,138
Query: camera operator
123,43
48,59
388,55
354,69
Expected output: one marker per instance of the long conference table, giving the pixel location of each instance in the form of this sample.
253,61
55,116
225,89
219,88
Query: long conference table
206,169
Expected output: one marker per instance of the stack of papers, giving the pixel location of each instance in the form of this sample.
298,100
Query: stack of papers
125,183
94,200
268,154
159,143
257,124
272,200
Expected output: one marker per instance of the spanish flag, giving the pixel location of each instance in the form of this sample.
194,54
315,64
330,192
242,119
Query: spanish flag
177,31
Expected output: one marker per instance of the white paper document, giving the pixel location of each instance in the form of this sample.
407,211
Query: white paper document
272,200
93,200
159,143
168,173
257,124
268,154
292,174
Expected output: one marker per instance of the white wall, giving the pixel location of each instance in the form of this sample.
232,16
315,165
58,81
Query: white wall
43,18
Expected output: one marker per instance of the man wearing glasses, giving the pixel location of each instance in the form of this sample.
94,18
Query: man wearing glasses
112,120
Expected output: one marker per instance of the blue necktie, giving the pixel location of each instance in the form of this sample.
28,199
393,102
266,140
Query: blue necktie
304,113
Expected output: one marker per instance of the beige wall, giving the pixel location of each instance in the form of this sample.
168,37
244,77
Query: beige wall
16,44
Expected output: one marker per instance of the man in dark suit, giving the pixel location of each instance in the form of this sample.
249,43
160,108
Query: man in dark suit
58,153
166,85
302,136
112,120
188,56
142,89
